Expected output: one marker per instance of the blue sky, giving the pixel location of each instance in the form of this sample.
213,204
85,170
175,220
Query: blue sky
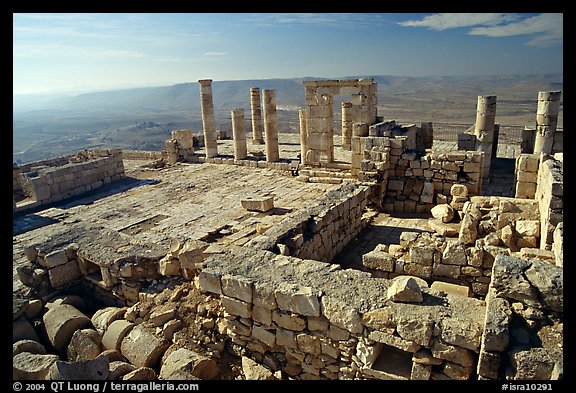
59,52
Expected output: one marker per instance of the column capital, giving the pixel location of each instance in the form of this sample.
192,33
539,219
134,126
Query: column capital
205,82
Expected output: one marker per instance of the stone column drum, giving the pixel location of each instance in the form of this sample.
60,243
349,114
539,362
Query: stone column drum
546,120
484,129
303,136
257,138
239,133
208,119
347,119
270,125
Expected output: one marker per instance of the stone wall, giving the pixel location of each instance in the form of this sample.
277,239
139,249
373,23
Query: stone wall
526,175
550,196
313,320
523,331
83,172
322,230
141,154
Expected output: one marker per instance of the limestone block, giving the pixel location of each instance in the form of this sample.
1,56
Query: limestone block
299,300
418,330
395,185
452,271
237,307
285,338
461,332
461,356
496,327
378,260
549,282
528,228
95,369
340,315
379,319
171,327
64,274
468,229
424,356
443,212
85,344
169,266
328,349
22,329
266,336
457,371
558,244
394,341
532,364
420,372
288,321
318,323
337,334
237,287
118,369
489,364
442,229
191,253
112,355
527,177
308,343
453,289
28,346
183,362
238,328
142,348
415,269
141,374
210,282
61,322
422,255
262,315
160,316
258,203
454,253
475,256
404,289
525,190
255,371
105,316
55,258
28,366
368,353
115,333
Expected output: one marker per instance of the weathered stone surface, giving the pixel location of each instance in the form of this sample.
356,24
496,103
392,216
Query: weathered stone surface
118,369
62,275
160,316
461,356
531,364
28,346
95,369
527,228
142,348
308,343
61,322
441,228
265,336
169,266
422,255
418,330
461,332
55,258
112,355
22,329
549,283
341,316
454,253
394,341
457,371
496,334
378,260
404,289
140,374
105,316
115,333
459,190
489,364
72,300
237,307
453,289
184,362
509,280
288,321
255,371
368,353
424,356
84,345
237,287
379,319
443,212
420,372
32,366
296,299
468,229
210,282
285,338
256,203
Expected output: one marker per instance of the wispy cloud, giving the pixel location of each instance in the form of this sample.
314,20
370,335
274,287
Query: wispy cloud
546,29
213,54
349,20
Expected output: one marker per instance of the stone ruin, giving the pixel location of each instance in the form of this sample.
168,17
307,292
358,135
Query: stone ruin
477,296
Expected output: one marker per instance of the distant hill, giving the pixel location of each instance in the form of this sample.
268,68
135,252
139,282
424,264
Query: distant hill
45,126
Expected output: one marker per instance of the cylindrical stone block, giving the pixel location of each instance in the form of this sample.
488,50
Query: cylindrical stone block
143,348
208,118
347,118
61,322
485,119
270,125
239,133
115,333
303,135
257,137
328,101
546,121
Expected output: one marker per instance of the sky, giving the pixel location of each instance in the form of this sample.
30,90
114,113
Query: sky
58,52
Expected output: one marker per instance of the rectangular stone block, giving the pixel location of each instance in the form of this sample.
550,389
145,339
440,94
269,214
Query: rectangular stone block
237,287
299,300
64,274
262,315
341,315
422,255
267,337
263,296
288,321
394,341
210,282
527,177
256,203
453,289
451,271
236,307
285,338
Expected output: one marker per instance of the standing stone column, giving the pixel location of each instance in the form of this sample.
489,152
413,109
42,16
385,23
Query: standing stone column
257,138
347,119
546,120
303,136
484,129
208,119
239,134
328,137
270,125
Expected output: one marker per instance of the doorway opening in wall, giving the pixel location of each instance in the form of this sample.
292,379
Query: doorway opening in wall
394,362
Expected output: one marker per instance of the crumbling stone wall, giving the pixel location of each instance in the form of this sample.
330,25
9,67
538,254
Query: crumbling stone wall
550,196
141,154
526,175
313,320
83,172
523,331
322,230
